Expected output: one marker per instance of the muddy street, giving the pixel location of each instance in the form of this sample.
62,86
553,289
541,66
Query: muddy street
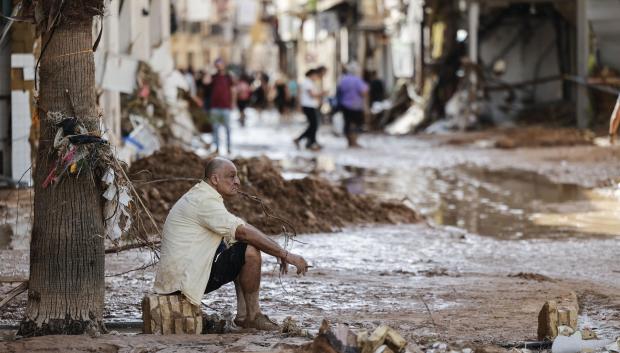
504,231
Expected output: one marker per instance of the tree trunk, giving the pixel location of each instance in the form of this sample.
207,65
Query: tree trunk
66,289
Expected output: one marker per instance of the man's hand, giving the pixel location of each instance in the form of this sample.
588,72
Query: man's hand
295,260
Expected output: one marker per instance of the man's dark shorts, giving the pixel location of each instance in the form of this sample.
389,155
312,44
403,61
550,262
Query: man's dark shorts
226,265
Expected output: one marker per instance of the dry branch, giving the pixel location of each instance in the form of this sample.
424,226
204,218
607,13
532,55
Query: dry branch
131,246
14,292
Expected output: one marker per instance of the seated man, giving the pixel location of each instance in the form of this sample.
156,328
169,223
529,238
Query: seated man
205,247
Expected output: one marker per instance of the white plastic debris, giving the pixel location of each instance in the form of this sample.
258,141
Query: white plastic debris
123,197
110,192
440,346
576,344
614,347
108,177
565,330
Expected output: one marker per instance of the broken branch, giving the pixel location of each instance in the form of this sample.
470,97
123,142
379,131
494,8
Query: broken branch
14,292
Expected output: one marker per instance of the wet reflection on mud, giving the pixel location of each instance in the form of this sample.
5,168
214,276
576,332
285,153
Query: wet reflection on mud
508,204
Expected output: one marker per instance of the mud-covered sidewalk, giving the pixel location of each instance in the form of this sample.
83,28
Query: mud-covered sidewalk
506,230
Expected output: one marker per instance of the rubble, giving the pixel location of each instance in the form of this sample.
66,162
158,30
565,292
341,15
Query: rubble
576,344
555,314
526,136
311,204
341,339
291,328
529,276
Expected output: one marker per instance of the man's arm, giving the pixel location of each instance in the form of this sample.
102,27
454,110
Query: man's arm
256,238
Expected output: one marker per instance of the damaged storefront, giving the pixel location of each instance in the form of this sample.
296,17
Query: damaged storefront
503,63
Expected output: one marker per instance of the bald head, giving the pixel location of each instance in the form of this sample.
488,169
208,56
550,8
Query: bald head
221,174
215,164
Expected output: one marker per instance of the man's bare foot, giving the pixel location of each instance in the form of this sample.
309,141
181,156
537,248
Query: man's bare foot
261,322
239,321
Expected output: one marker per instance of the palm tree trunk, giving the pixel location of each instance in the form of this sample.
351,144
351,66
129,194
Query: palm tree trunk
66,287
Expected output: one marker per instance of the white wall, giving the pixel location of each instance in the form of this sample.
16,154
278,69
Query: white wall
135,29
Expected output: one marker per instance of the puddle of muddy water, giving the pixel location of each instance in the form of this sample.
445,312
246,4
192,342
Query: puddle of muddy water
507,204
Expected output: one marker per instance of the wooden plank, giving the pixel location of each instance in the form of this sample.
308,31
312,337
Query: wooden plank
190,323
175,309
166,318
188,314
155,314
146,315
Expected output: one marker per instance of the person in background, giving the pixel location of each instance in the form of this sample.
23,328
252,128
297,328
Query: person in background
221,103
376,91
281,98
293,89
352,95
309,98
260,92
191,80
244,95
321,71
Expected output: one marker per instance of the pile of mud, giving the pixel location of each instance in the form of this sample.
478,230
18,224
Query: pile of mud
311,204
530,136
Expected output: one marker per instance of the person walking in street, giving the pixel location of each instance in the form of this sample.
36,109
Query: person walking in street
244,95
221,103
309,97
352,92
281,98
293,88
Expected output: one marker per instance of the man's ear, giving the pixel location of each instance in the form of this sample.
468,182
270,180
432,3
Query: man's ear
213,179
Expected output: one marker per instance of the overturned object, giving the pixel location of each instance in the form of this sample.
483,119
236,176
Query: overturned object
341,339
170,314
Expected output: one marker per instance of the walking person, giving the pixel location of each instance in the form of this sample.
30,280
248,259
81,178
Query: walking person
244,95
221,103
352,92
292,87
309,99
281,98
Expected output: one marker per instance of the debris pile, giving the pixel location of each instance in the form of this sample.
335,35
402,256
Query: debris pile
533,136
340,339
311,204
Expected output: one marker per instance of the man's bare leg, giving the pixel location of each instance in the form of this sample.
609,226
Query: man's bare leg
241,310
249,282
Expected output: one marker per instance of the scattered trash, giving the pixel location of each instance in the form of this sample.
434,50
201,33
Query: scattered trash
117,216
75,148
291,327
576,344
407,122
143,140
215,323
531,277
341,339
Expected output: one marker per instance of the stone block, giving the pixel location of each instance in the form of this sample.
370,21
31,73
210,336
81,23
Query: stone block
170,314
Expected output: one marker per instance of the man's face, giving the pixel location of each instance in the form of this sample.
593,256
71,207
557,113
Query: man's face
225,180
219,65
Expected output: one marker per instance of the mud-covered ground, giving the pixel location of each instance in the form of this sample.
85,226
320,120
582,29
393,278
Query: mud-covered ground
506,230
